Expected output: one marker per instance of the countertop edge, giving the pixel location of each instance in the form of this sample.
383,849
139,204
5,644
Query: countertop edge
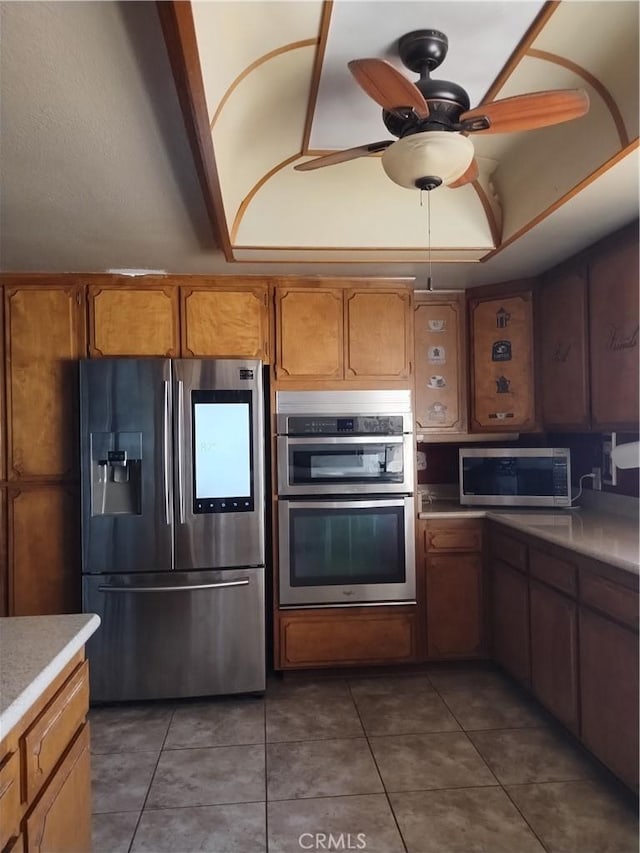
546,535
12,715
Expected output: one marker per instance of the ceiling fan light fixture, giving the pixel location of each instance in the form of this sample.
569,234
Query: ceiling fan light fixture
435,154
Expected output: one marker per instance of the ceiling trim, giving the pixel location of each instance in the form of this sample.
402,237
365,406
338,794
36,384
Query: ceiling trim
325,20
600,88
539,23
612,161
371,249
284,48
246,201
494,226
176,19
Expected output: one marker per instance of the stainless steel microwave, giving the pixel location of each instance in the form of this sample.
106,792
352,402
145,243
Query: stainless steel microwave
516,476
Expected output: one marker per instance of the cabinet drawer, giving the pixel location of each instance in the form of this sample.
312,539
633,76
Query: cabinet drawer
345,639
552,570
616,601
509,550
9,798
48,737
454,536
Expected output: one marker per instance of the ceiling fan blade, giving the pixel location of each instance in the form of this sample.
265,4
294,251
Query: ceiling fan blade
343,156
387,86
527,112
468,177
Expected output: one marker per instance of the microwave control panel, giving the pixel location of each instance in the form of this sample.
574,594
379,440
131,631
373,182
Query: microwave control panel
356,425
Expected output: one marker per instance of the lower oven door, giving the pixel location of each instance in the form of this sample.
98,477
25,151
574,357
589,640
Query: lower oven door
346,551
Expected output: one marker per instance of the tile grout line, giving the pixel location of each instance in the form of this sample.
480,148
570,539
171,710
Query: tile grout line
502,787
153,776
266,778
373,756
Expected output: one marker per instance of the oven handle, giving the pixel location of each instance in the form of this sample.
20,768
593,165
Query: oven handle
290,503
346,439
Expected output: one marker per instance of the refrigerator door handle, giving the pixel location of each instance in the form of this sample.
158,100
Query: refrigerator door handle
167,454
180,449
186,588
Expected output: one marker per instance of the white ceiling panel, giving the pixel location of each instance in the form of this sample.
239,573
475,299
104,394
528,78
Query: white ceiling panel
482,35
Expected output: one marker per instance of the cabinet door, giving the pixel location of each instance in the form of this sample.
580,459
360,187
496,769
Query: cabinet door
4,571
134,321
225,322
44,543
45,335
61,819
613,296
510,620
564,357
378,334
554,652
439,332
309,333
454,605
609,694
502,394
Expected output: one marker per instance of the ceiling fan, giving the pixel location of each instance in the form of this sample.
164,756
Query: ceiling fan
432,118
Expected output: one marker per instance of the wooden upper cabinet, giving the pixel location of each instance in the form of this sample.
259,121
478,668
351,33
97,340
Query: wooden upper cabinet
225,321
563,356
44,546
134,321
377,334
502,393
309,333
45,336
440,348
613,303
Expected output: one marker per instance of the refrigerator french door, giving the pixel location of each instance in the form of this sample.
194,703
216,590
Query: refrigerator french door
173,526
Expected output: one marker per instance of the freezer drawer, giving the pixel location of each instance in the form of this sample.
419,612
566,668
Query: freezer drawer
178,634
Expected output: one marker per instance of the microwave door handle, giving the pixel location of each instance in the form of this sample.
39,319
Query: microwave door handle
180,449
166,467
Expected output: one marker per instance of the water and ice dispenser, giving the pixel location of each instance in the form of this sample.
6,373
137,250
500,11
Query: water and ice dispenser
116,473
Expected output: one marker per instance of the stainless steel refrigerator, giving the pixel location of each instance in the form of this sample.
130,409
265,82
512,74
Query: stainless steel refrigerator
172,465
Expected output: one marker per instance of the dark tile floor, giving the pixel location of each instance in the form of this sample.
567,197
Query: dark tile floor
457,760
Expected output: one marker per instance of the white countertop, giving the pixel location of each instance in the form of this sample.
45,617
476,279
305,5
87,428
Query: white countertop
610,538
33,651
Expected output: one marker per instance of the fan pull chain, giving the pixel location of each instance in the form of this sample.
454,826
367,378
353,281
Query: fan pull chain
429,285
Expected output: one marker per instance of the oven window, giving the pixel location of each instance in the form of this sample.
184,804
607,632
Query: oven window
382,463
329,547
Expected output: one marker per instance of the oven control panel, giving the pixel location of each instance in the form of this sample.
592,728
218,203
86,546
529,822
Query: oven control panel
355,425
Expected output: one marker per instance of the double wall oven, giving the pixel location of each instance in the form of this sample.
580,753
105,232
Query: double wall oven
345,498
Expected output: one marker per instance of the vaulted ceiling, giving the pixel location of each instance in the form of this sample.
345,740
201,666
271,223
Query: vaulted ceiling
97,171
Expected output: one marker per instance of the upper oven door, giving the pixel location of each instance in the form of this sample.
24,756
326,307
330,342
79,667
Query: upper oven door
345,465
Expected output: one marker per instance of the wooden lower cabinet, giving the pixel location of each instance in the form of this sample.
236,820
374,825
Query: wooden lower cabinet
454,606
554,652
61,819
510,620
328,637
45,770
44,547
609,693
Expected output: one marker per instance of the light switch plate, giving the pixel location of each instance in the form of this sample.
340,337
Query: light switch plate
421,460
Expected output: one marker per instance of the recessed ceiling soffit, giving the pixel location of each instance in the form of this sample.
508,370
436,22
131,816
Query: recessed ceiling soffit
278,91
